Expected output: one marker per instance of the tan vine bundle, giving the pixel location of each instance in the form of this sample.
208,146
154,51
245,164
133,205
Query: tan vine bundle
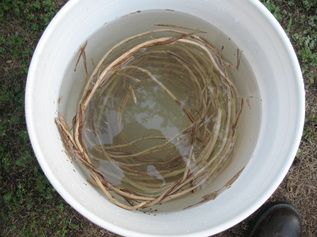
191,74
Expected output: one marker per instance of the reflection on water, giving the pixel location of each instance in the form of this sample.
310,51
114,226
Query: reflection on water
142,121
136,116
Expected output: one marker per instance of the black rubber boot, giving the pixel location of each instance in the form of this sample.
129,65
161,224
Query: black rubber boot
277,220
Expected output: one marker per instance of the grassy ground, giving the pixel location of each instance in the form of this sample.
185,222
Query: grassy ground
29,206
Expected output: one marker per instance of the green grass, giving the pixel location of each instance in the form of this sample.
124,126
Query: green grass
29,206
300,19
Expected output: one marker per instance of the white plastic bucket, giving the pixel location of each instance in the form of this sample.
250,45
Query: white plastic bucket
268,149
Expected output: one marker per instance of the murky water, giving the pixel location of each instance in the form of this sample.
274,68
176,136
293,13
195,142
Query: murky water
134,114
